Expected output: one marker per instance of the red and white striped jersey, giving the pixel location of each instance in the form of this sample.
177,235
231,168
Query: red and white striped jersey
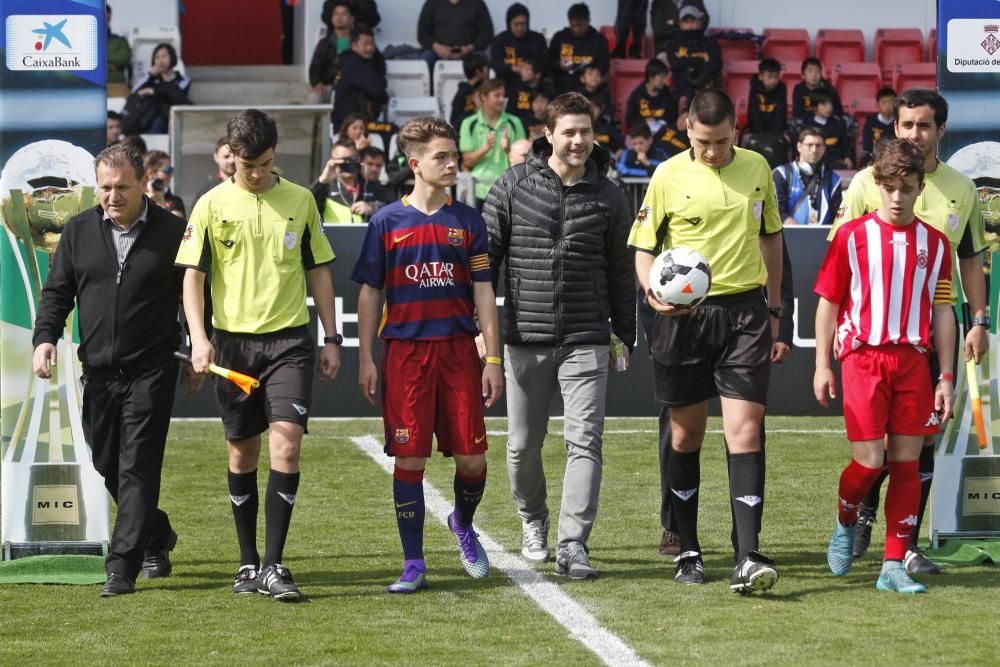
886,279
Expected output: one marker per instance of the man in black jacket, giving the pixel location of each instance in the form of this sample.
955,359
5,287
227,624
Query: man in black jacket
572,48
452,29
560,227
361,85
116,262
509,49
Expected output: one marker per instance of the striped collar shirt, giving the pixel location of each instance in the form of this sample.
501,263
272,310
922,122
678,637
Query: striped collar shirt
124,238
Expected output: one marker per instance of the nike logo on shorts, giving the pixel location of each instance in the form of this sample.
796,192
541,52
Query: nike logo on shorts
480,438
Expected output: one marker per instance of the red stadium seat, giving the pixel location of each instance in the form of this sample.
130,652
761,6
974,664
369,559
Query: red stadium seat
736,76
609,33
932,46
791,74
735,49
626,74
786,44
897,45
741,110
857,82
914,75
840,46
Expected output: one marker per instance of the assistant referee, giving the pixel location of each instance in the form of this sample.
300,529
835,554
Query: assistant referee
718,200
261,237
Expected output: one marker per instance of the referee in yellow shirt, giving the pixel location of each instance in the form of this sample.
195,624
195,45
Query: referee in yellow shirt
718,200
261,238
950,204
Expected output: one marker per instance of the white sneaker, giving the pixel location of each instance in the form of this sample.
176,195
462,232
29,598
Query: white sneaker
535,540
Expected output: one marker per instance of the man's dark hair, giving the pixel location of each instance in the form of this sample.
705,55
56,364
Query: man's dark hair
534,61
344,142
473,62
811,131
885,91
137,143
251,133
567,104
919,97
114,115
579,11
712,107
640,131
327,14
416,133
896,159
372,152
769,65
120,156
821,96
360,30
171,51
654,67
488,86
812,60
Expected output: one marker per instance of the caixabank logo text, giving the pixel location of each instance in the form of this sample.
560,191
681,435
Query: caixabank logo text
45,43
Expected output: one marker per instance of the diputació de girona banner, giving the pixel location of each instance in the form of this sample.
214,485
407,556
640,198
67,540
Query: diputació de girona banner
967,476
52,122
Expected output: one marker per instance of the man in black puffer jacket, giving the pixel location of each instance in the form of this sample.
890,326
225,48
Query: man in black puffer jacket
560,227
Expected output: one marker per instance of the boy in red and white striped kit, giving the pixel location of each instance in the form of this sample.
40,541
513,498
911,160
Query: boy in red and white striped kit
884,290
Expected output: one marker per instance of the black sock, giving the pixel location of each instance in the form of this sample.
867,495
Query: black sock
279,499
245,500
734,537
468,493
746,489
685,477
926,468
871,500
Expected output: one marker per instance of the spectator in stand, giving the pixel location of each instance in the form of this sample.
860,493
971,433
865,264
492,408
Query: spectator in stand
225,163
641,160
338,17
834,129
365,11
673,140
486,136
694,58
476,68
665,23
119,61
606,132
808,189
630,21
355,127
878,127
159,175
114,128
136,142
804,93
361,87
767,112
509,49
576,46
535,127
523,91
162,88
342,194
591,86
372,164
518,152
651,103
452,29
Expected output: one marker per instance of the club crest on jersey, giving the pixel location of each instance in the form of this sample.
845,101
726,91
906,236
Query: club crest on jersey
922,258
402,435
643,214
291,238
456,237
842,212
188,235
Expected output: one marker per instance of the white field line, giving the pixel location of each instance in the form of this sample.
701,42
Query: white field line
581,625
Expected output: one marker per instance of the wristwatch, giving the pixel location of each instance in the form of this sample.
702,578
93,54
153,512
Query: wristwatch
336,339
777,312
981,321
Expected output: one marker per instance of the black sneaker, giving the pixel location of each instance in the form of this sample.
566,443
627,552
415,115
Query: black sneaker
156,564
918,563
117,584
755,572
690,568
245,580
863,535
276,581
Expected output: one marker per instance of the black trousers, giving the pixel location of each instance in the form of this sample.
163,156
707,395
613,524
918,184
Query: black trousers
125,420
631,17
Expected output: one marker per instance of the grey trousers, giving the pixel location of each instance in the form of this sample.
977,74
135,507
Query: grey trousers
534,374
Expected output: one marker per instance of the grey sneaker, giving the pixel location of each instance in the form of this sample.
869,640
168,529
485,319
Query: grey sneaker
572,562
535,540
245,580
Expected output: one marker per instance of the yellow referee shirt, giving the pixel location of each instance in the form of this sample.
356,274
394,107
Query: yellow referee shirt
949,203
720,213
258,247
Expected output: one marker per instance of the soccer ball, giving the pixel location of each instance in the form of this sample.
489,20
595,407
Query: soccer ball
680,277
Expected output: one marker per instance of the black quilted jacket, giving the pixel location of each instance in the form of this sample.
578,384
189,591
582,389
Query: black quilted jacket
569,272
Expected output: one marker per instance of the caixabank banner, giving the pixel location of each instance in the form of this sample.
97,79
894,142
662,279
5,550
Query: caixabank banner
966,473
52,123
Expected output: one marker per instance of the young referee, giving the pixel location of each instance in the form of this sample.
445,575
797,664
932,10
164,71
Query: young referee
261,237
718,200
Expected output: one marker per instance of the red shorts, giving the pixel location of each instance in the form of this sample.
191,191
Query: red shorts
886,391
432,388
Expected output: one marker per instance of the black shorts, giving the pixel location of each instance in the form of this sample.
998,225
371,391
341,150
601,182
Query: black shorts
283,361
722,348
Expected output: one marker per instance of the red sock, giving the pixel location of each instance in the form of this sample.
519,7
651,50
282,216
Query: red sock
854,484
902,501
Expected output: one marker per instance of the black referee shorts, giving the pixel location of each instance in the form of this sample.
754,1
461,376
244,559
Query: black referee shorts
283,361
722,348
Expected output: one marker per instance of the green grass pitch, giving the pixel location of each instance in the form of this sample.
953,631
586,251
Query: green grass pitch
343,549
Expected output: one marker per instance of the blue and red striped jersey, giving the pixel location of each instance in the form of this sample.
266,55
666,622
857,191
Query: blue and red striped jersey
427,265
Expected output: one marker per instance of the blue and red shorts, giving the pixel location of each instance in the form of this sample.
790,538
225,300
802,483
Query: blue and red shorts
432,388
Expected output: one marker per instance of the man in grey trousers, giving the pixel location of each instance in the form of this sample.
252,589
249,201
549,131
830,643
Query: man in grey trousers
560,228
